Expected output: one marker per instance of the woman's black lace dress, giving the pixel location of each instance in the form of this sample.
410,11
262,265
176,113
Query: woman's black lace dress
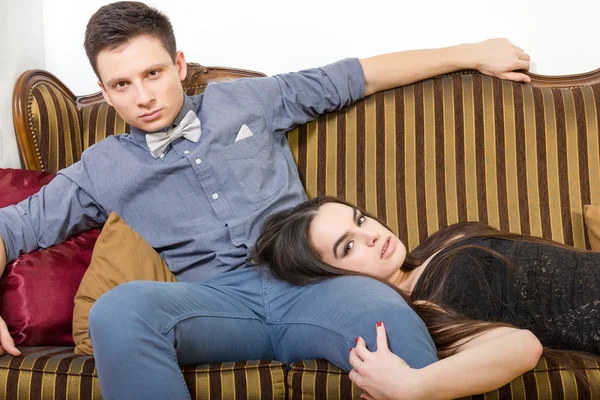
552,291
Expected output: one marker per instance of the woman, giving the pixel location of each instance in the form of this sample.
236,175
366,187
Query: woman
476,288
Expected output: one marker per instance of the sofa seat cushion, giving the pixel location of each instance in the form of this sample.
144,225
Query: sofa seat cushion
319,379
59,373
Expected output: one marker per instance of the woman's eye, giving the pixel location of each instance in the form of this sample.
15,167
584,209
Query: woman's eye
361,220
349,246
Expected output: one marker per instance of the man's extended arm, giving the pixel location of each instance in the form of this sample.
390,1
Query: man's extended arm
287,100
495,57
59,209
65,206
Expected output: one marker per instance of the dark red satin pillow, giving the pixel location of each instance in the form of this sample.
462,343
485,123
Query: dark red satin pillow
37,289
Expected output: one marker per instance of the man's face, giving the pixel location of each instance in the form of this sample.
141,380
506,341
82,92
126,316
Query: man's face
140,80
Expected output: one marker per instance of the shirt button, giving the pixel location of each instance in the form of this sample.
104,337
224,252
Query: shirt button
162,157
186,152
198,161
215,196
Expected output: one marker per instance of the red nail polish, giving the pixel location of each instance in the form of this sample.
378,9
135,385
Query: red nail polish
379,323
356,340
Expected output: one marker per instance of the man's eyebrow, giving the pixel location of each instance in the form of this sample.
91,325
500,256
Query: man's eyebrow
344,236
112,81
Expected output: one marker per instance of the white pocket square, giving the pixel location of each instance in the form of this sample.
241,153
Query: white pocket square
244,133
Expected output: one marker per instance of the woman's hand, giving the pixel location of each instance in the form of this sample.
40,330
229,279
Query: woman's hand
382,374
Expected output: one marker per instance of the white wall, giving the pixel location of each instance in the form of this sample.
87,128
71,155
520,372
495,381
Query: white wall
21,48
276,36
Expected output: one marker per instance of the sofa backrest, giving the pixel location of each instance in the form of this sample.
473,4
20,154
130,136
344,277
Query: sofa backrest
464,147
54,126
461,147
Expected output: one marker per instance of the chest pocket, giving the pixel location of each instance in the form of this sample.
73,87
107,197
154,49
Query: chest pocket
252,161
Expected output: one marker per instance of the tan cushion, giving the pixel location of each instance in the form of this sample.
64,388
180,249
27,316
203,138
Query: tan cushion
591,214
120,255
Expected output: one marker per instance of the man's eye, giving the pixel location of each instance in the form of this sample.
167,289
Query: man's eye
361,220
120,85
349,246
153,73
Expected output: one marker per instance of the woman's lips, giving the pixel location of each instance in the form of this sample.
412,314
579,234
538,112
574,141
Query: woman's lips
388,248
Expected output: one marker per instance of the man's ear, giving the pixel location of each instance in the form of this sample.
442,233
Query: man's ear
181,65
104,94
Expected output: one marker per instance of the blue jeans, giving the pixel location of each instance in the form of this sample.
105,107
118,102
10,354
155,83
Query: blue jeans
142,331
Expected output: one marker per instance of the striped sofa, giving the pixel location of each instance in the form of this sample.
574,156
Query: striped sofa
453,148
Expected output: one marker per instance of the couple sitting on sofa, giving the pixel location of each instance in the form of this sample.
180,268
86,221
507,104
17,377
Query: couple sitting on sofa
199,193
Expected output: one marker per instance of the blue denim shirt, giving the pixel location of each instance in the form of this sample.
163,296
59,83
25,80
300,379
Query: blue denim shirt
202,205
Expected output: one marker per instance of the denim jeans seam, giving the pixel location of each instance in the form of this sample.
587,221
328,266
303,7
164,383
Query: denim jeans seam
265,296
175,320
267,306
349,337
181,375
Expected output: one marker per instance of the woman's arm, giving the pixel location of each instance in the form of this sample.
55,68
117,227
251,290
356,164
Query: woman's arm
495,57
485,363
479,364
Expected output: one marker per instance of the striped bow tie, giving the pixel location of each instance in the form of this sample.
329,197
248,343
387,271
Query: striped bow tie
189,128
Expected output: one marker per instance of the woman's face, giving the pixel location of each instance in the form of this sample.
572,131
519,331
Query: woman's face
347,239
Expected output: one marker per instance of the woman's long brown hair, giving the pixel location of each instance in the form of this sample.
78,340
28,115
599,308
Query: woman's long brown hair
285,247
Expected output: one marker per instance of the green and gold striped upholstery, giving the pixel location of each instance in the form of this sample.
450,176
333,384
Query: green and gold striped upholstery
58,373
320,380
56,125
100,121
458,148
453,148
49,373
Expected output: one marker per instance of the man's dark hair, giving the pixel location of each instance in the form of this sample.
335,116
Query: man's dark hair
116,23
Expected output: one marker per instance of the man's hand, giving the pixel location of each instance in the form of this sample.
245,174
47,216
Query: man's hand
7,344
382,374
500,58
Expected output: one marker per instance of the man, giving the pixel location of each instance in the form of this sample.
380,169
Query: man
196,177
